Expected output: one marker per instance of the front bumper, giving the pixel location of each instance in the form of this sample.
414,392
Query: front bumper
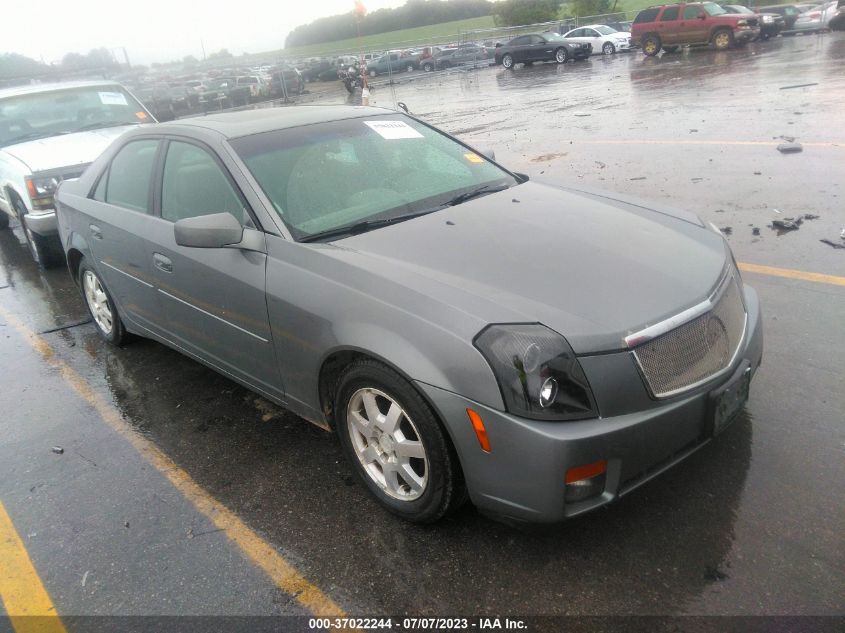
42,223
522,477
746,35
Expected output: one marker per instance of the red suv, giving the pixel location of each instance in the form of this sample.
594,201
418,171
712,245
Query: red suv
671,25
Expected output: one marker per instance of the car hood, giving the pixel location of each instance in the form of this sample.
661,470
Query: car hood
589,265
67,150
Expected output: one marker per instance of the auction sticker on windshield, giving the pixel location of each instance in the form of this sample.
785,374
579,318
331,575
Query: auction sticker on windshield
113,98
392,130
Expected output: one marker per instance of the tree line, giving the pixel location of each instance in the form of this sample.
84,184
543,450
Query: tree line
412,14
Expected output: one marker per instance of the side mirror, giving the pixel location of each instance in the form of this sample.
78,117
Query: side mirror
489,153
702,16
521,177
208,231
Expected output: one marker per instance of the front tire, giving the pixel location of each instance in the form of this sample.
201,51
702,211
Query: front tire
561,55
507,61
396,444
100,305
651,45
409,68
608,49
46,250
722,40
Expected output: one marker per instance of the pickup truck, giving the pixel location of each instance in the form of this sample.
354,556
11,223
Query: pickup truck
50,133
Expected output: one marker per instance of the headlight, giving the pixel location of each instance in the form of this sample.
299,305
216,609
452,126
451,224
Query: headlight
768,19
742,23
537,372
41,190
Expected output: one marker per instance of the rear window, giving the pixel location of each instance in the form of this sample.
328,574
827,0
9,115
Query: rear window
647,15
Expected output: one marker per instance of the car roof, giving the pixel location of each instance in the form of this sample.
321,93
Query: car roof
52,87
247,122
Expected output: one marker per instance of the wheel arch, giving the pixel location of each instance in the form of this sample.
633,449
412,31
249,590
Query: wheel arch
339,359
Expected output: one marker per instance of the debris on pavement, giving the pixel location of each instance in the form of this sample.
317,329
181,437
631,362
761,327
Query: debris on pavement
833,244
799,86
727,230
637,178
810,216
581,114
787,224
755,231
58,450
790,148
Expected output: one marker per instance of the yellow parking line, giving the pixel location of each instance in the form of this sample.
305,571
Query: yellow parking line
792,274
24,597
259,551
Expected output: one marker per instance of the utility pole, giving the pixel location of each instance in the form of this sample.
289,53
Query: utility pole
202,44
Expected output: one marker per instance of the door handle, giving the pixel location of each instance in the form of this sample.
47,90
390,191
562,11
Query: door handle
96,231
162,263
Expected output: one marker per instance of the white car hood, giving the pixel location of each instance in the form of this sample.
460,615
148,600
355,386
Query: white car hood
68,150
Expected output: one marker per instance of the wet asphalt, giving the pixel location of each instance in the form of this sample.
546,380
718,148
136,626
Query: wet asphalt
754,523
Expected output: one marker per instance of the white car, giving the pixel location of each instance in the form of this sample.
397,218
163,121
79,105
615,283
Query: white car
604,39
50,133
816,19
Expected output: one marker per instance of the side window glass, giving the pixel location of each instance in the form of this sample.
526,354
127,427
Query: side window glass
536,39
671,13
194,185
691,11
130,174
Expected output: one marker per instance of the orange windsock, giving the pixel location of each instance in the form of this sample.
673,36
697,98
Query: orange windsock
360,9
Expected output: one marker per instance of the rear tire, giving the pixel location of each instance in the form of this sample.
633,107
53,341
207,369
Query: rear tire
46,250
651,45
409,68
428,67
100,305
722,40
427,482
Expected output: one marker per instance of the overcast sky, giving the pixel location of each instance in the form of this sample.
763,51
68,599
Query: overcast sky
159,30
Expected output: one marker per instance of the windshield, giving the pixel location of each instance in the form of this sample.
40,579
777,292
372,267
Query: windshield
552,36
45,114
329,175
221,83
740,9
713,9
605,30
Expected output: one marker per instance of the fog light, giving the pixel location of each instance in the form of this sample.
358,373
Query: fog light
583,482
548,392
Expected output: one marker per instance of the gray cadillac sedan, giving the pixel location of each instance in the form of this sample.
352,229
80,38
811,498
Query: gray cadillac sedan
540,349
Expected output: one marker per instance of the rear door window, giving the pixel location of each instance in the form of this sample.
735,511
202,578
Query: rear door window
669,14
130,175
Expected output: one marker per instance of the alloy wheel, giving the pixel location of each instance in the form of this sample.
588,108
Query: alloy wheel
560,55
98,302
387,443
507,61
608,49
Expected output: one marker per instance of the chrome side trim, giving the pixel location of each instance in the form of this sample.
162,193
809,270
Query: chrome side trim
213,316
123,272
658,329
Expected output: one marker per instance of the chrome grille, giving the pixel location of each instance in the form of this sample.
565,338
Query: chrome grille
699,349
